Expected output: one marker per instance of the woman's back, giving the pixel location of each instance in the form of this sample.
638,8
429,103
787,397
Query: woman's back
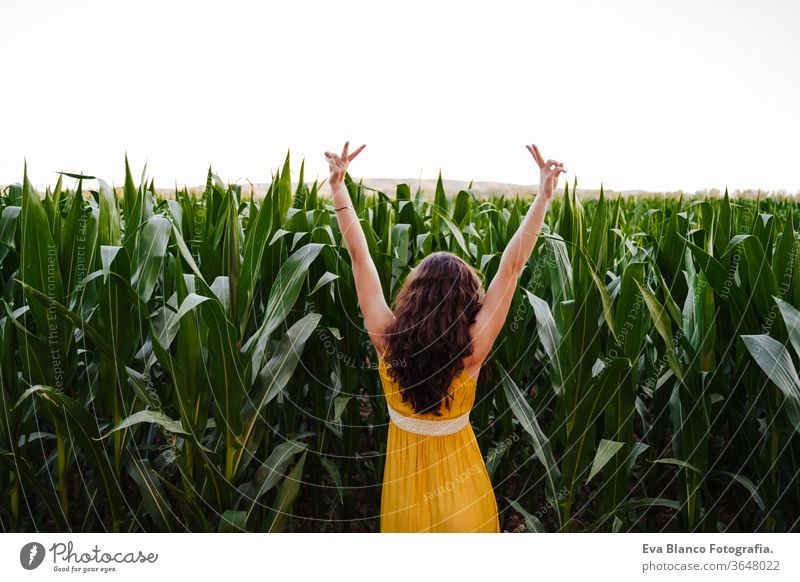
462,390
435,479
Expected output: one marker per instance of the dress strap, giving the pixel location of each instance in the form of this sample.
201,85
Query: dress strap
428,427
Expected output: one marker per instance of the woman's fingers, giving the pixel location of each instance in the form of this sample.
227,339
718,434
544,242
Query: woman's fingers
552,179
553,175
548,167
332,158
538,155
344,151
355,153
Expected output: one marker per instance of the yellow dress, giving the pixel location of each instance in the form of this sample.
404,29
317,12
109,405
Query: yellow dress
435,483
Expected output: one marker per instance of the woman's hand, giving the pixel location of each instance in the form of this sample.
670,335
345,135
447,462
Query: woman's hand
338,164
549,172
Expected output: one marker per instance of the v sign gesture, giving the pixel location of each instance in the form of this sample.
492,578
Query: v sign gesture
497,301
377,313
338,164
549,172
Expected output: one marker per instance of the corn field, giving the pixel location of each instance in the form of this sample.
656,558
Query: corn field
198,362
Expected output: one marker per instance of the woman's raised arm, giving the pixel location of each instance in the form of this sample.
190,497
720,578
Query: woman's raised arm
377,314
496,303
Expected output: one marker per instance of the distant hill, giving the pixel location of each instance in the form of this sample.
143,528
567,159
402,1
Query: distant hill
452,187
428,186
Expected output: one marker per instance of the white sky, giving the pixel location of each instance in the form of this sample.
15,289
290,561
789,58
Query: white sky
637,94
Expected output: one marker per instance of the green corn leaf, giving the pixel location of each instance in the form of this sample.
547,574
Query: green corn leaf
605,451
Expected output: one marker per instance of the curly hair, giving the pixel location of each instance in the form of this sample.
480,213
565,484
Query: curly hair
434,310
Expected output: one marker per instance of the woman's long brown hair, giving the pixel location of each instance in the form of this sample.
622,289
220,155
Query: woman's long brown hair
433,311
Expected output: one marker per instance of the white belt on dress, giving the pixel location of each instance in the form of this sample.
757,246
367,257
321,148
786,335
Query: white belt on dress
428,427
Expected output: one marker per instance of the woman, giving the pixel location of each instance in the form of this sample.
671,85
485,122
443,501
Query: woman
430,351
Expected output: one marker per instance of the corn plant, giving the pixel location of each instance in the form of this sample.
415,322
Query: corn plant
195,361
